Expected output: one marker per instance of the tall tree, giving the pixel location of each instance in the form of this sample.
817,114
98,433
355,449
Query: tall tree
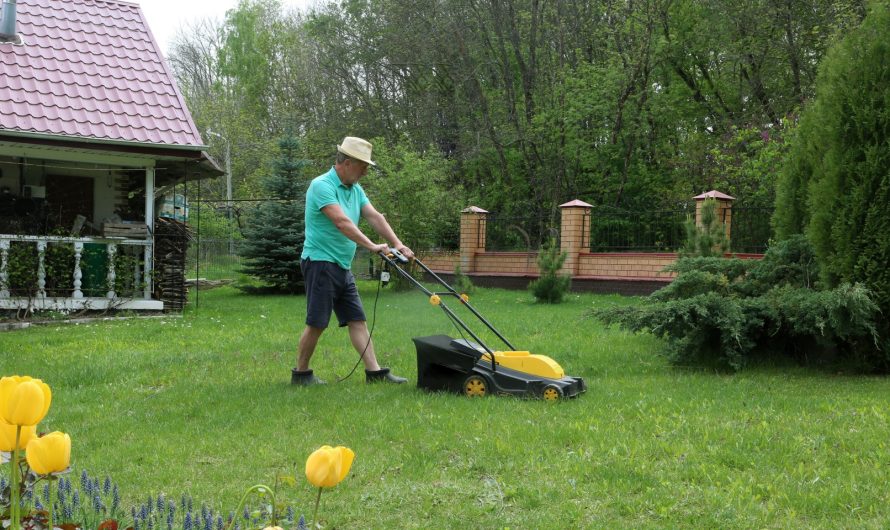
840,171
274,234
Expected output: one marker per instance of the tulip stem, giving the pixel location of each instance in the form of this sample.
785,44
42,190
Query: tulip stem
14,469
260,488
315,514
50,486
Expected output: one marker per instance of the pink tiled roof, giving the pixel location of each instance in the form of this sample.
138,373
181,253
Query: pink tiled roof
714,194
90,69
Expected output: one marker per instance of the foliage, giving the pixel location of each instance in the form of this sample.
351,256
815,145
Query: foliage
532,103
726,312
22,267
213,222
749,160
708,238
58,262
836,188
551,286
413,190
275,231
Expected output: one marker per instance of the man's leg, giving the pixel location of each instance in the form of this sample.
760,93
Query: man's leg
361,341
302,375
318,312
308,341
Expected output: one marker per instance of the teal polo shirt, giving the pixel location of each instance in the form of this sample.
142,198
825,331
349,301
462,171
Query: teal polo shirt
323,242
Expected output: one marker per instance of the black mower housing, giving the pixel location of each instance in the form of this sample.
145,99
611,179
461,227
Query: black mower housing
444,363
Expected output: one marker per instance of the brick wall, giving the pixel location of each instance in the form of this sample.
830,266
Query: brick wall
507,263
440,260
625,266
630,272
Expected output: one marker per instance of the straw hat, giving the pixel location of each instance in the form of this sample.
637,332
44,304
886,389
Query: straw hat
356,148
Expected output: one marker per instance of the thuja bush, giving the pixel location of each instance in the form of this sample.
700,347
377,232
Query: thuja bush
551,286
727,312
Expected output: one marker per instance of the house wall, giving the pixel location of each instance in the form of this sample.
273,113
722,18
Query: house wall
110,187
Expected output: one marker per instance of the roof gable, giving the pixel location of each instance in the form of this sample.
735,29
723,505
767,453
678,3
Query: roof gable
90,69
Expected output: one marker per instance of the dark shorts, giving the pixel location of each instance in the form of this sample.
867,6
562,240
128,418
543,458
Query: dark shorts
329,287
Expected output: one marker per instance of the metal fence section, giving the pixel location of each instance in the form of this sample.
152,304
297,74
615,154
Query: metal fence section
617,230
751,228
518,233
218,235
216,248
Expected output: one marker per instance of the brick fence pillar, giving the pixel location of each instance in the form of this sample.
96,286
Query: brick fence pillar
472,236
574,233
724,209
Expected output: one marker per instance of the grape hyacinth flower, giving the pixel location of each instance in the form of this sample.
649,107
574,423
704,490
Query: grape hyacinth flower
115,499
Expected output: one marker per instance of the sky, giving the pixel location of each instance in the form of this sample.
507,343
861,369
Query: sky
166,17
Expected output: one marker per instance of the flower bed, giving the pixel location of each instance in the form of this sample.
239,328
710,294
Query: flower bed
39,494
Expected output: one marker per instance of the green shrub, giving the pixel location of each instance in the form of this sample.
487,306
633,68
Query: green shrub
551,286
462,283
727,312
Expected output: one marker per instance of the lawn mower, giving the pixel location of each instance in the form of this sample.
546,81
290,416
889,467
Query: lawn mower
470,367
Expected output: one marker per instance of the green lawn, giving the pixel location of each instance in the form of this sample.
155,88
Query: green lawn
203,405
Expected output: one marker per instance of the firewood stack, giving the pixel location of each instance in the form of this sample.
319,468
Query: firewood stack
171,245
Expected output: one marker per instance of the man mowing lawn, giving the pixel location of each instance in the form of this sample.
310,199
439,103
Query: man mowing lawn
334,203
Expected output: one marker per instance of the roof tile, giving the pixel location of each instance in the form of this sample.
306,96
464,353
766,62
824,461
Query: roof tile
90,68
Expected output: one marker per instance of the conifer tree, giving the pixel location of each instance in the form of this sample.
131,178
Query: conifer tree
708,239
837,187
551,286
275,231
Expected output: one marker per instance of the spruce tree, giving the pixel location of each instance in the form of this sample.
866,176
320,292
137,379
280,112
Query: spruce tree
275,231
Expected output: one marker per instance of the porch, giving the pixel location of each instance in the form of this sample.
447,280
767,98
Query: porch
76,230
75,273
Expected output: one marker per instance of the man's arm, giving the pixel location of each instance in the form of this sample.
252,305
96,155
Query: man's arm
349,229
381,226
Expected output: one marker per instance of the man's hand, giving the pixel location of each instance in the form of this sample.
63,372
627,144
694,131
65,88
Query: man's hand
407,252
379,248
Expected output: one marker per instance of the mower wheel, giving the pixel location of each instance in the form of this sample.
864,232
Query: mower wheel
552,393
475,386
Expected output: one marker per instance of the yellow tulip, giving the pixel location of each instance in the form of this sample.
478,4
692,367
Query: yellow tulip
7,436
23,400
327,466
50,453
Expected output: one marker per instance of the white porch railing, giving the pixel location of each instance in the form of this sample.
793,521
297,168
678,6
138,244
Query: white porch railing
115,296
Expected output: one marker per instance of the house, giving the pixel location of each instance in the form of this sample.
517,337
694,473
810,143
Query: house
92,126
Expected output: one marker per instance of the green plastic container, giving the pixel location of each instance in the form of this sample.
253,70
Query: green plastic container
94,269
